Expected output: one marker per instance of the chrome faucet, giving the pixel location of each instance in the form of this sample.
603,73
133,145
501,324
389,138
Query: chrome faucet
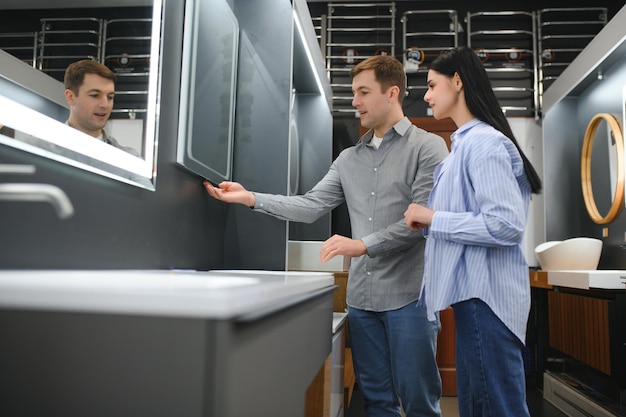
34,192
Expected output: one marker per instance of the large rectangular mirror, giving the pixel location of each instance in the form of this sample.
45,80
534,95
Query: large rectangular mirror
209,72
124,35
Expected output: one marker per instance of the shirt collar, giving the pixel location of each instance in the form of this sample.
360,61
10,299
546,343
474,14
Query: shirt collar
106,138
457,134
400,128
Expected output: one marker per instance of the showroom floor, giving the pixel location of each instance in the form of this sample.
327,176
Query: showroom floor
538,406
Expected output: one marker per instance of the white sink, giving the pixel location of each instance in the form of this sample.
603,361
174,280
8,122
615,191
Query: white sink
598,278
580,253
202,294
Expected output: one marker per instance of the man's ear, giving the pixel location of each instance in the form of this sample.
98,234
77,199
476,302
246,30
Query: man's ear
393,92
69,96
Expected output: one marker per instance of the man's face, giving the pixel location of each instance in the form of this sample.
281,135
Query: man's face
91,107
371,102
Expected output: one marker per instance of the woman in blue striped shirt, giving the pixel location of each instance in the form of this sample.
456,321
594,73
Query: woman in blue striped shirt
475,222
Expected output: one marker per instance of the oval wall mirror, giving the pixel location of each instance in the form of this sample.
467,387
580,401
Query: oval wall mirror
603,134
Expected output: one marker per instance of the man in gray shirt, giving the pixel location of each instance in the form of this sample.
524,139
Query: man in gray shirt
393,343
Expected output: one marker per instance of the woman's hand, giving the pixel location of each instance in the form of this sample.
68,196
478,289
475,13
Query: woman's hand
417,217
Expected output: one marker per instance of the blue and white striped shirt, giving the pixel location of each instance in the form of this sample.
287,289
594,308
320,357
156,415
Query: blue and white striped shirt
481,196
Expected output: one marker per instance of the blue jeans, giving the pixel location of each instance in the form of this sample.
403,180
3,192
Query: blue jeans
394,361
489,364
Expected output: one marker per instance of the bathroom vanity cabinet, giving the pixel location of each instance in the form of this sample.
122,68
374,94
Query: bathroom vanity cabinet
249,348
585,327
576,339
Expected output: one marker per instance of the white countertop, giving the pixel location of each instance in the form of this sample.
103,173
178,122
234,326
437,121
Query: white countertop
338,320
602,279
195,294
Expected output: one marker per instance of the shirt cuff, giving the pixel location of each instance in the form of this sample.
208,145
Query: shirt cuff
371,245
439,225
260,201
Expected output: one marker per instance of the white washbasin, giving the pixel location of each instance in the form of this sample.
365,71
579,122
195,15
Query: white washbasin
203,294
579,253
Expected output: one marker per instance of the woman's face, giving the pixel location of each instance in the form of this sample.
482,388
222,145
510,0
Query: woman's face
442,95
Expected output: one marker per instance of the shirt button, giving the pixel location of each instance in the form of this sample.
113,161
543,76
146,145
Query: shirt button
373,193
369,273
370,219
375,169
261,205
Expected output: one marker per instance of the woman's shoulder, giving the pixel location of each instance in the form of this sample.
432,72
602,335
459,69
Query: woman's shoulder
483,134
486,129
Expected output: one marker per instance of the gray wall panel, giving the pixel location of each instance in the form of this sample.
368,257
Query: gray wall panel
260,162
117,225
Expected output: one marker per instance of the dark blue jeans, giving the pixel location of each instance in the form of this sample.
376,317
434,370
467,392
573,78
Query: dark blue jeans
489,364
394,361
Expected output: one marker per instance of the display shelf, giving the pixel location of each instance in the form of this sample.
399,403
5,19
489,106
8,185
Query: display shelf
22,45
562,33
355,31
319,25
601,53
505,41
126,51
66,40
425,35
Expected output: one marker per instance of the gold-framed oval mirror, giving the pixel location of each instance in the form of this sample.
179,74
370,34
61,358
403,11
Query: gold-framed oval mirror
603,125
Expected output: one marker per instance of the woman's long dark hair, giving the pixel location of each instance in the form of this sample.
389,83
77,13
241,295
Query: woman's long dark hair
480,98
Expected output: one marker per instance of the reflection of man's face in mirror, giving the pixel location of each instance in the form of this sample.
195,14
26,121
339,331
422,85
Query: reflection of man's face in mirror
89,90
91,105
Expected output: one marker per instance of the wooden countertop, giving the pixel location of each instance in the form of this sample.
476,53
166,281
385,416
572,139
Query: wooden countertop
539,279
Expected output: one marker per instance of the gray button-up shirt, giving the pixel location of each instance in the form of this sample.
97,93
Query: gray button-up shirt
377,186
